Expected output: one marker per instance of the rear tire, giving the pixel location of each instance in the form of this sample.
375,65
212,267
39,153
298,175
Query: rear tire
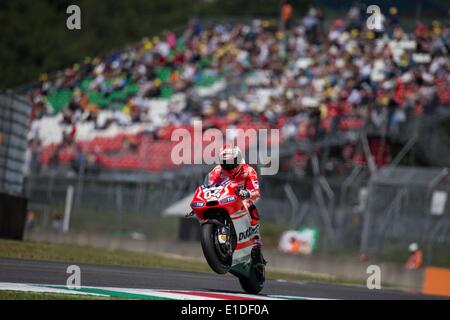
217,264
254,283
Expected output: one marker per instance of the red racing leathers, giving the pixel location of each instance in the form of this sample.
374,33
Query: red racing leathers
246,178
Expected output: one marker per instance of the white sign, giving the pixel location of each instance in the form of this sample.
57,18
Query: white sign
301,241
438,202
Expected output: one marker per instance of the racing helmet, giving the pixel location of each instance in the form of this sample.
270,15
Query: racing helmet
230,159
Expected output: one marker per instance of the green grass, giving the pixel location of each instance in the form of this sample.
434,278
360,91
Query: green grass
20,295
110,222
271,233
90,255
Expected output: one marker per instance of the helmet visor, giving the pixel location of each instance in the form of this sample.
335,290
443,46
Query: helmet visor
228,166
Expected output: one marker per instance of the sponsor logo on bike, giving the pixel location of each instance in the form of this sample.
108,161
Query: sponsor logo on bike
248,233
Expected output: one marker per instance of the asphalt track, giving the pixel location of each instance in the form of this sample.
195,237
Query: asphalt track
54,273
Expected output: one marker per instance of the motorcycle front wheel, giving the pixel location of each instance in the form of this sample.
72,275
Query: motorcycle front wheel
218,259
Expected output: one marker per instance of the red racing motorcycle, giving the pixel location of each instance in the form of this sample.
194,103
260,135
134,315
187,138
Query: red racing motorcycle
227,235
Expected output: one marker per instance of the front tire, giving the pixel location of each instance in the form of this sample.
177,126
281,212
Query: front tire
219,264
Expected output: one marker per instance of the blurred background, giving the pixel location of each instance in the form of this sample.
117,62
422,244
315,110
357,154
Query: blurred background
86,118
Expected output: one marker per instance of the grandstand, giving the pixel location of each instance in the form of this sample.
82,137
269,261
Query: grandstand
118,112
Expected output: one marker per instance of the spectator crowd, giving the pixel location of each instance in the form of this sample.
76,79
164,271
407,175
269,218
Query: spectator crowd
304,76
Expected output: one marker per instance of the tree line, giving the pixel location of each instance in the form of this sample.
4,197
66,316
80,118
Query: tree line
34,38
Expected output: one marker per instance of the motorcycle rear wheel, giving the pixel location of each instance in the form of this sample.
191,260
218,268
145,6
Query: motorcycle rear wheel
254,283
218,264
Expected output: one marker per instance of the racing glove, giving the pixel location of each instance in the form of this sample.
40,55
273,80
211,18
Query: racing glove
244,194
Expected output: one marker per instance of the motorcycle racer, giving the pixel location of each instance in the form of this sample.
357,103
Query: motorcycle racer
232,167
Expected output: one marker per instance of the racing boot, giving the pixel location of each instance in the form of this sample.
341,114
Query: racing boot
258,260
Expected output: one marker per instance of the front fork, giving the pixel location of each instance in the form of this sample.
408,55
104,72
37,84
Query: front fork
222,234
224,237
